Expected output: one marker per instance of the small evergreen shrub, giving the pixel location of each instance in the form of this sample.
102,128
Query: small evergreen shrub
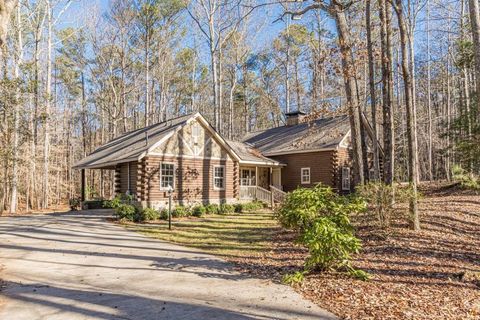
226,208
466,179
321,218
248,207
181,211
212,208
126,212
74,204
112,204
238,207
149,214
199,211
164,214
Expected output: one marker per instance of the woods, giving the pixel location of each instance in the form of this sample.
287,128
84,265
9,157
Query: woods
406,72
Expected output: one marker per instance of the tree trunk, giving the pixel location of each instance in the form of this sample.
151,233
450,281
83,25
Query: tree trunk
475,25
350,90
387,91
373,96
16,116
411,136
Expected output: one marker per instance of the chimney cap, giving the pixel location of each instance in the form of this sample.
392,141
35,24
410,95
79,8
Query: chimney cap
295,113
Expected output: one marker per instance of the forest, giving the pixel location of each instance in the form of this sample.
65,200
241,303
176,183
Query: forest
76,74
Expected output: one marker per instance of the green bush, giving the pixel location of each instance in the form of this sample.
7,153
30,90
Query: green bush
199,211
330,245
149,214
226,208
321,218
248,207
112,204
238,207
164,214
212,208
126,212
181,211
466,179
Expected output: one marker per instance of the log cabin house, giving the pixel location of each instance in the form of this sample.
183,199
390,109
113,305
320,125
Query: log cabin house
187,155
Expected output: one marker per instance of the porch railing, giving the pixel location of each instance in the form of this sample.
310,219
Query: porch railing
270,197
278,195
264,195
248,192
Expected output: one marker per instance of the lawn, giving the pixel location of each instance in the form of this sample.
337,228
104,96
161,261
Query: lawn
231,236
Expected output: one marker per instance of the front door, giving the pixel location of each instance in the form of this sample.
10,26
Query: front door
277,178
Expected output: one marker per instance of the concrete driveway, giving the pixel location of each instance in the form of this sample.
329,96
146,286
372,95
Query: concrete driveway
80,266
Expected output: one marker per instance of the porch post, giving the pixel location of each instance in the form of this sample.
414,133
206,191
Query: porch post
83,191
256,181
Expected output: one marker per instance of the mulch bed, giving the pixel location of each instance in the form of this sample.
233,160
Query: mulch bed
430,274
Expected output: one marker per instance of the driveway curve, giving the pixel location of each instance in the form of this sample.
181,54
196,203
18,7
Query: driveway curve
80,266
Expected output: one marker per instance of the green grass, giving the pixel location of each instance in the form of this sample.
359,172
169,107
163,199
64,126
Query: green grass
235,235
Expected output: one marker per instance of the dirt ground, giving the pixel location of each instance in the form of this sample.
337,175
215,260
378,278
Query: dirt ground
430,274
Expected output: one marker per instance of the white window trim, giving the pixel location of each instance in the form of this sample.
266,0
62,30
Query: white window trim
301,175
174,167
224,177
344,185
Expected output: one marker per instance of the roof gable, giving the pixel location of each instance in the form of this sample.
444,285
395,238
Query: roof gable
194,139
132,145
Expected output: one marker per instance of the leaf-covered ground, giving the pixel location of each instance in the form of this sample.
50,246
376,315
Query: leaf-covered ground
430,274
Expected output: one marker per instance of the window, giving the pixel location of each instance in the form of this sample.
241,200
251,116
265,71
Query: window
247,177
305,175
167,175
195,132
219,177
345,178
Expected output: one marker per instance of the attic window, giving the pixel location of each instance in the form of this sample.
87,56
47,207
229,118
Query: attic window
195,132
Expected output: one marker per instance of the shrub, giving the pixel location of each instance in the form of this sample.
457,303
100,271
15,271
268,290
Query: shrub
180,211
164,214
238,207
382,199
226,208
126,212
304,205
93,204
199,211
112,204
253,206
466,180
211,208
294,278
321,218
149,214
248,207
74,204
330,245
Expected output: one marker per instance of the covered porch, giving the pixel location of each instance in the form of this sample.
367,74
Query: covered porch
261,183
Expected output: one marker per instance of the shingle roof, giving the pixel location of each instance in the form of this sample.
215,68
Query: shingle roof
249,154
319,134
129,146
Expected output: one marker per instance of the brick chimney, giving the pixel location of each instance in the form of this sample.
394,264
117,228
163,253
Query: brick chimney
294,118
